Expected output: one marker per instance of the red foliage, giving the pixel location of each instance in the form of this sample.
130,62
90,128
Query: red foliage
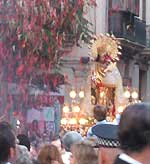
32,33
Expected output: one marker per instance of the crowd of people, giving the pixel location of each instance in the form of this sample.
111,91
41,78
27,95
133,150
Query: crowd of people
126,142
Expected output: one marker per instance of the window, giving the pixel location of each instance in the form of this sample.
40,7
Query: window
125,5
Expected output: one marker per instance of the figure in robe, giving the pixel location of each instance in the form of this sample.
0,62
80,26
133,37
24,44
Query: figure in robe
105,52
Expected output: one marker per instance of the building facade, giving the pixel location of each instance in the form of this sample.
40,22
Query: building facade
129,21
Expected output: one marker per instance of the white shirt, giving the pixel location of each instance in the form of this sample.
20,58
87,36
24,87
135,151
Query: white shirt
66,157
128,159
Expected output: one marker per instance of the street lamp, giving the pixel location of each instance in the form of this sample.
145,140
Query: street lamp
64,121
81,94
76,108
120,109
131,94
134,95
127,94
73,116
72,94
66,109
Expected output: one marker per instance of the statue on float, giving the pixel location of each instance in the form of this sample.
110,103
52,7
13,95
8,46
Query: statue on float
105,51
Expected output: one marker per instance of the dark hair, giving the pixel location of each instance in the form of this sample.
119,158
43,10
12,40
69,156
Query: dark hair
24,140
134,127
7,140
100,112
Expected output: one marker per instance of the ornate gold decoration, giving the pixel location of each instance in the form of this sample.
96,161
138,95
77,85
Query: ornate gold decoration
105,51
106,47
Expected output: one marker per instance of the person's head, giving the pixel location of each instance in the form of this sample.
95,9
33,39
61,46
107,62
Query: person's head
71,138
134,128
7,142
100,112
92,141
107,135
48,154
23,156
83,153
24,140
57,143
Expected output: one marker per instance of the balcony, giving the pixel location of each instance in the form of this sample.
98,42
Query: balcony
125,25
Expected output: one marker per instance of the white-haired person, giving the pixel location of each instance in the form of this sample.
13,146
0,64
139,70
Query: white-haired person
23,156
68,140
